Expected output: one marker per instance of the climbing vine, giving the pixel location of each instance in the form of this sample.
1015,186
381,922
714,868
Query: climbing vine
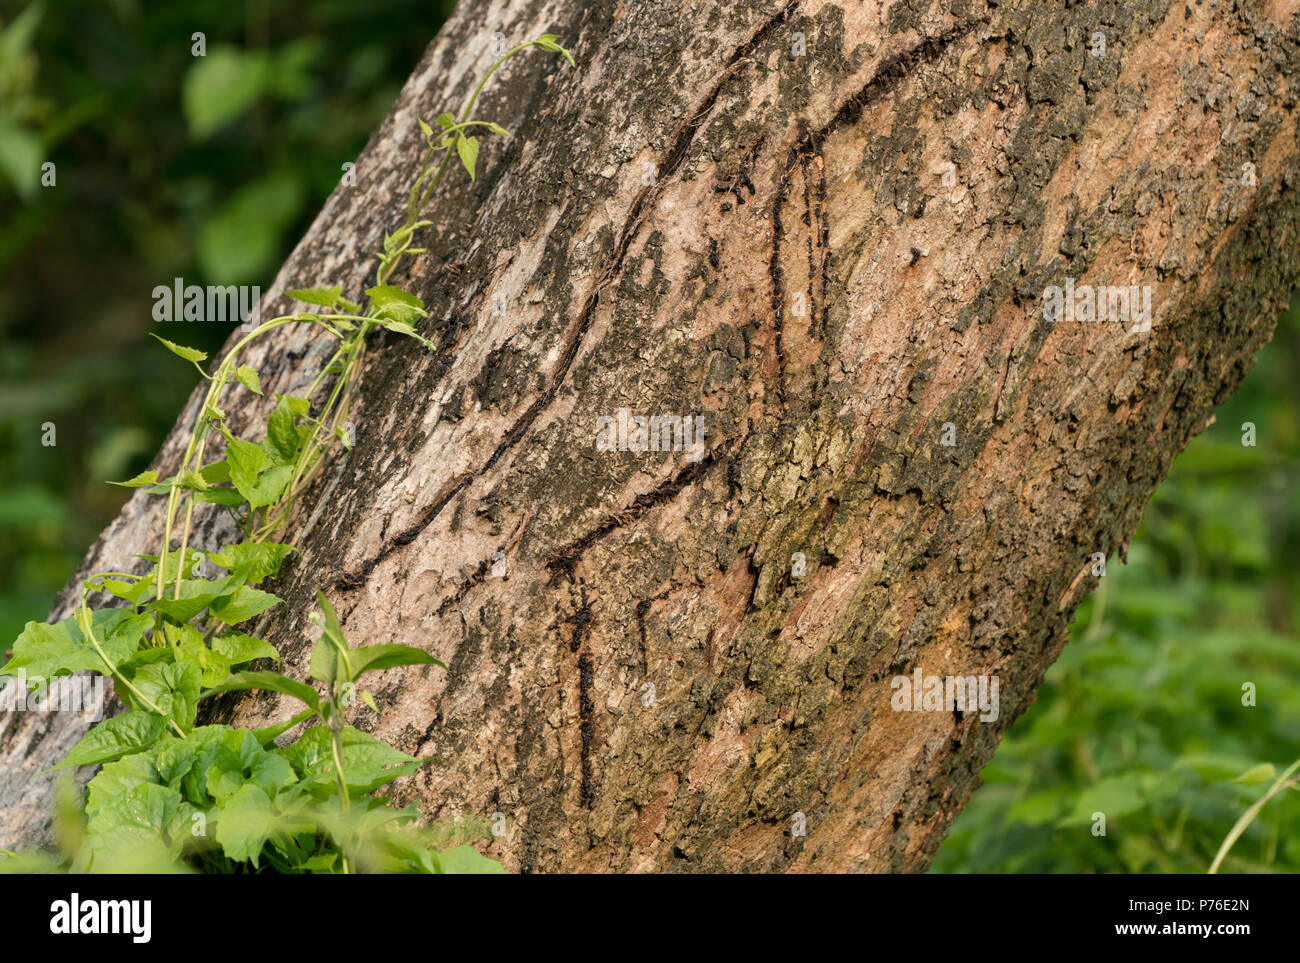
219,798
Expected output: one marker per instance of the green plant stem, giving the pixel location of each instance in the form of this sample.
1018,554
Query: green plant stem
83,620
1249,815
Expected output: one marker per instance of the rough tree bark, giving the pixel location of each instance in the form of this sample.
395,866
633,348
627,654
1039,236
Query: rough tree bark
702,220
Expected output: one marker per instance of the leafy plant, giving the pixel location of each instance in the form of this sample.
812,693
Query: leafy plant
300,807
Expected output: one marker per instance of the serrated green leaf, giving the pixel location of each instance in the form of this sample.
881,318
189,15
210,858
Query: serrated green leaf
270,486
368,763
245,603
239,648
325,297
134,592
252,561
173,688
47,651
189,354
137,831
196,594
446,119
248,378
114,738
246,461
149,477
395,304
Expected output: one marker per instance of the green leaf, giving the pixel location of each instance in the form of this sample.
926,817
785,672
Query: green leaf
549,41
405,328
21,153
240,759
114,738
395,304
216,473
1257,775
243,823
119,778
282,433
189,354
368,763
269,682
267,733
248,378
243,605
252,561
173,688
188,640
221,496
466,860
133,592
373,658
329,656
246,461
137,831
425,129
446,119
467,148
149,477
270,486
46,651
239,648
240,241
196,594
325,297
324,665
221,86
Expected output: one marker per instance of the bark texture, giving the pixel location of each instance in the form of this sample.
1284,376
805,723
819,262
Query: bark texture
703,220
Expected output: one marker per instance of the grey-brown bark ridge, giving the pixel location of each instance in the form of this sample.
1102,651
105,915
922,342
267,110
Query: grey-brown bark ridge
828,229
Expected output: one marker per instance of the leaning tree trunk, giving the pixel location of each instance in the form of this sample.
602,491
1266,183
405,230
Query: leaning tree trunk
826,228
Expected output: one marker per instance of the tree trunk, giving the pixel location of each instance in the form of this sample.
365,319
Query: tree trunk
827,228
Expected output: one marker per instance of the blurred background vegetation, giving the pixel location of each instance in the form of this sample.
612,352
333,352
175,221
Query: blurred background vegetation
1142,717
166,165
209,168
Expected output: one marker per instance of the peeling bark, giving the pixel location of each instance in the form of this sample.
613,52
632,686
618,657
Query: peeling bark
699,221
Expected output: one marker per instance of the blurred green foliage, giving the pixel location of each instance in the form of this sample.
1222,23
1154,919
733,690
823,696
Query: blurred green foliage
166,165
1142,717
